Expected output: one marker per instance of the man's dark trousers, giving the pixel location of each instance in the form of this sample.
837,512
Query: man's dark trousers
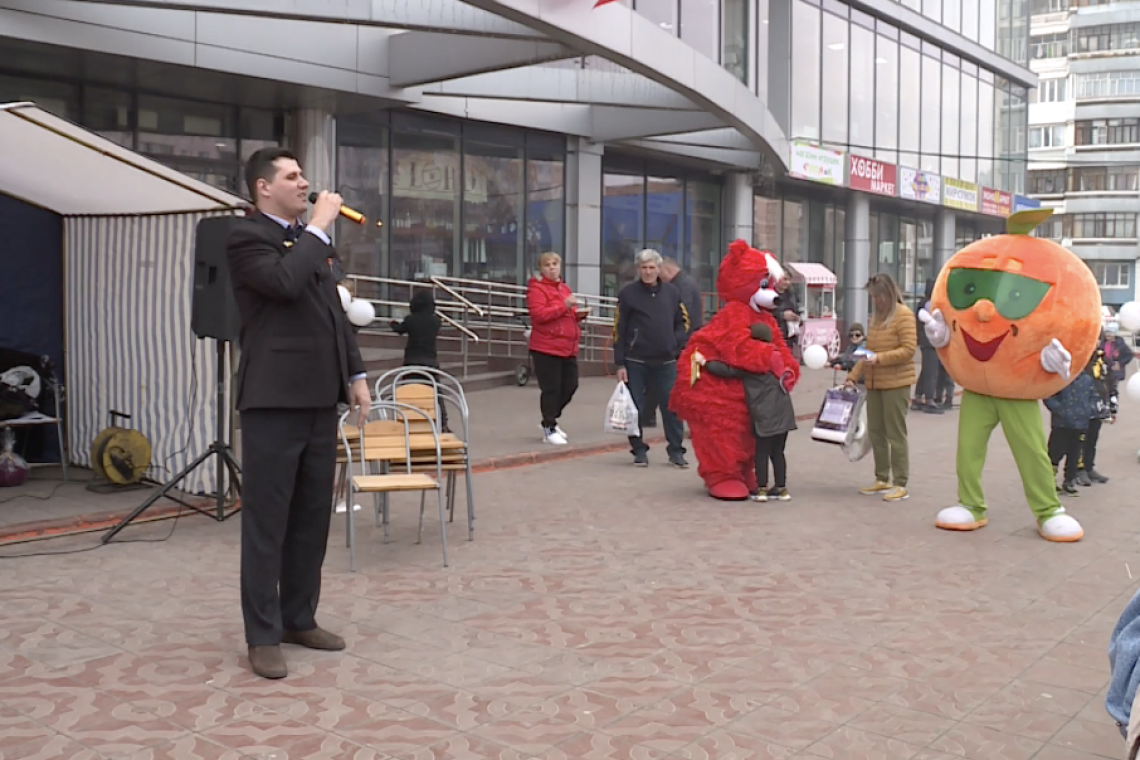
660,378
289,462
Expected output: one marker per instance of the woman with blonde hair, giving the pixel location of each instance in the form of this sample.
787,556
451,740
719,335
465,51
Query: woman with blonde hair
555,333
888,371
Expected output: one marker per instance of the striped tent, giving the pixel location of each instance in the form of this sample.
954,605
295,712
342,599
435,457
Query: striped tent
127,258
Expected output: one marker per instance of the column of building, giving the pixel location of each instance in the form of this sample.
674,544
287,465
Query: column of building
582,265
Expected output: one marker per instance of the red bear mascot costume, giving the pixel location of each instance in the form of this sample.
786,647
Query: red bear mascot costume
715,407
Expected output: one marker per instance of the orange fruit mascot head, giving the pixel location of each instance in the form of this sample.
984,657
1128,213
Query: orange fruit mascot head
1005,298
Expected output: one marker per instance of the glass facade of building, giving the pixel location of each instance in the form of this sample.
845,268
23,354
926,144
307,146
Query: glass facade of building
459,199
676,213
207,141
860,83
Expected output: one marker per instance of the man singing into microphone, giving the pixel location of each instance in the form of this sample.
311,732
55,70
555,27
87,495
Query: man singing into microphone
299,359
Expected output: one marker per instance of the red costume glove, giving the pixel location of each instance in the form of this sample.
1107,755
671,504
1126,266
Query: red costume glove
776,364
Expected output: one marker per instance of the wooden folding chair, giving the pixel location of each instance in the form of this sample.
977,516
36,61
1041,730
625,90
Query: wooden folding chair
426,389
386,439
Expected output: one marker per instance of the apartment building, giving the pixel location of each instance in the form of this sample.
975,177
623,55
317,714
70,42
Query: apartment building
1084,133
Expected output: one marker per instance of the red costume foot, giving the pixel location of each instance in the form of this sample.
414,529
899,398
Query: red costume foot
729,490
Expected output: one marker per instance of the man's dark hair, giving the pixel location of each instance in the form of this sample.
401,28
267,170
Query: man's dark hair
260,166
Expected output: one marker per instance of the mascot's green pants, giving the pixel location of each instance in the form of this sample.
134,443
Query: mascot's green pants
1021,422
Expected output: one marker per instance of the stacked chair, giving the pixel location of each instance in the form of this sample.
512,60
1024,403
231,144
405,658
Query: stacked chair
403,449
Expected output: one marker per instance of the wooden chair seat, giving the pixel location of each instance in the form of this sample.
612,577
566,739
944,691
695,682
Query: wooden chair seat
400,461
394,482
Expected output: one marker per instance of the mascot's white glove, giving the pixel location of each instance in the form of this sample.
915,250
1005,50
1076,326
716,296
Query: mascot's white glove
937,331
1055,359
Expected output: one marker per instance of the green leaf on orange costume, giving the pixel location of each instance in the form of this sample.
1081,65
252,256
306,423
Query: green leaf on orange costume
1024,222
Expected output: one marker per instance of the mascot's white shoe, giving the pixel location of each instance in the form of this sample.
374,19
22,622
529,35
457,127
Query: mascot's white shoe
958,518
1061,528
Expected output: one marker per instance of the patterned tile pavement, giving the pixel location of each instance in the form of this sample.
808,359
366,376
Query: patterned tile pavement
603,612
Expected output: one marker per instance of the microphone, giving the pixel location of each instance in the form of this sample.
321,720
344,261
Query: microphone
348,213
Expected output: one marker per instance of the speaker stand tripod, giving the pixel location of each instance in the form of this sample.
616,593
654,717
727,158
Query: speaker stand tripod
224,462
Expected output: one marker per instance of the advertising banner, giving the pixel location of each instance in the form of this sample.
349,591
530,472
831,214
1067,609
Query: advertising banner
960,195
996,202
915,185
817,164
872,176
1021,203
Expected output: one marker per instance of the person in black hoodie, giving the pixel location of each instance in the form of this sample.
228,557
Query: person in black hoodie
422,327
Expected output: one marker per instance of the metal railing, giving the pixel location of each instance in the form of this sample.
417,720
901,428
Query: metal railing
489,319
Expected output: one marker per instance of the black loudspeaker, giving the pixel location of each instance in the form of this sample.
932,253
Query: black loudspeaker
214,312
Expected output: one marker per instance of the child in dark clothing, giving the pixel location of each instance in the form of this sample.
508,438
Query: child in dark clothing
1071,410
1105,383
773,417
422,326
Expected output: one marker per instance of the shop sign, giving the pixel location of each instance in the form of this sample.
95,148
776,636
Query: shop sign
996,202
960,195
1021,203
817,164
872,176
919,186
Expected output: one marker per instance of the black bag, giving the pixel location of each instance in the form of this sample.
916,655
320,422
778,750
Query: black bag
14,402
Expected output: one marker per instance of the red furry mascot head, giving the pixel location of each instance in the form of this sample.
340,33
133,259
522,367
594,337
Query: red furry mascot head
749,276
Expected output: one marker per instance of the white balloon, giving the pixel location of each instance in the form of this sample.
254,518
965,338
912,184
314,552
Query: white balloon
345,296
815,357
361,313
1133,387
1129,316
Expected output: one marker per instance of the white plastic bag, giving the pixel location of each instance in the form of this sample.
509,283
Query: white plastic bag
621,413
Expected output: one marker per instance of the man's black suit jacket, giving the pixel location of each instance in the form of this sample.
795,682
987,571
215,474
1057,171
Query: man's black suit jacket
298,350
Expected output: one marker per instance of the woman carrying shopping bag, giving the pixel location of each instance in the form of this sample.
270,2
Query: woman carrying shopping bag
888,371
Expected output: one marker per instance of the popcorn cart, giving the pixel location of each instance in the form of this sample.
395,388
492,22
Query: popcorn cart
814,285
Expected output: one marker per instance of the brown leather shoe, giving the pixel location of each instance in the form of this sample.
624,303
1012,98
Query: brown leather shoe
268,662
318,638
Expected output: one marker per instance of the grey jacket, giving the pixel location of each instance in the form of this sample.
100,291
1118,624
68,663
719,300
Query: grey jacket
769,405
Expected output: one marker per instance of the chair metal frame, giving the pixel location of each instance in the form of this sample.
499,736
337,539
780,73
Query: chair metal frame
450,389
381,410
58,393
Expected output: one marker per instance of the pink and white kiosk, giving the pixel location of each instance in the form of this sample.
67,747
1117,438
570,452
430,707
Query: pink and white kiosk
814,286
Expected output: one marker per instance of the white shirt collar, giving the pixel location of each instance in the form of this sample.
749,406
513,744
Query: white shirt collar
281,221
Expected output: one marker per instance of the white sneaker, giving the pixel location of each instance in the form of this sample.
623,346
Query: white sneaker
558,429
553,437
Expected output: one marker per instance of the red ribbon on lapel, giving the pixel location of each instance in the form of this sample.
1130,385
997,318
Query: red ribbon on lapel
600,3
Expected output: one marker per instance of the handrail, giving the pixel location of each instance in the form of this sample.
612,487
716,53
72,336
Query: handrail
458,297
459,327
489,317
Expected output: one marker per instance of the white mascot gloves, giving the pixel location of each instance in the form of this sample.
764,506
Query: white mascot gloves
1055,359
937,331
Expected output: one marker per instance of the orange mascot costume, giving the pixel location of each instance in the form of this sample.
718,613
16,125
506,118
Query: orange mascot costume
1011,317
713,406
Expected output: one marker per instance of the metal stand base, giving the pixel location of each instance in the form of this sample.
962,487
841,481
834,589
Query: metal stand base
224,463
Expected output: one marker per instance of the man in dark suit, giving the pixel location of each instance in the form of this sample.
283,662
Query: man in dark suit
299,359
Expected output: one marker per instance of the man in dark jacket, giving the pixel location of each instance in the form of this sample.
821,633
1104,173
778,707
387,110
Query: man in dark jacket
299,359
672,273
650,329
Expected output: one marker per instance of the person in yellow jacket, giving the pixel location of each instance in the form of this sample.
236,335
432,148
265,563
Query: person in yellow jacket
887,369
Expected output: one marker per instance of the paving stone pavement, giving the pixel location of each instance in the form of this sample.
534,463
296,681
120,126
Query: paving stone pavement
603,612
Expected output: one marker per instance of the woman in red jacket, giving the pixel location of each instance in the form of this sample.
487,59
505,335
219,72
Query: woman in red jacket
554,338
